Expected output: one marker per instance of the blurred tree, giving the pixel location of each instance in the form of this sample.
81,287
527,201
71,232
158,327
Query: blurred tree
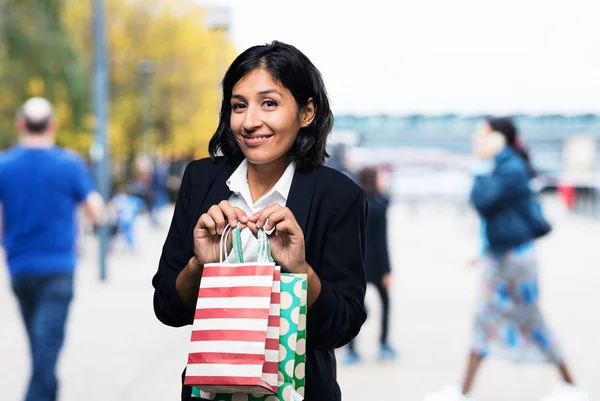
46,49
184,86
37,59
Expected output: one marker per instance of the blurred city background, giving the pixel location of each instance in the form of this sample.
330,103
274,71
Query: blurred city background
408,82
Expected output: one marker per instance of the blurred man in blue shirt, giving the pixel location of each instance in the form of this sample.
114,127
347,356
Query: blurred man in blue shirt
41,187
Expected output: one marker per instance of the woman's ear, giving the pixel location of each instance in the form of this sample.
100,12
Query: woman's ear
308,113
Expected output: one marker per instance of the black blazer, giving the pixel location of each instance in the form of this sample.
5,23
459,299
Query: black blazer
331,210
377,259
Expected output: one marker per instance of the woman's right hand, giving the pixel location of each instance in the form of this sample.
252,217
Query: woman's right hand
208,230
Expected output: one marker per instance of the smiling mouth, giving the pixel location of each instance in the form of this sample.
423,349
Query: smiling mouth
256,138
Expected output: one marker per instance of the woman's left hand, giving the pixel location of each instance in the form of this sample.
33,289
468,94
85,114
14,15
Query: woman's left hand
287,241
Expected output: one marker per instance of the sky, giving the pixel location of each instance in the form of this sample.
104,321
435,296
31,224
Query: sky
438,56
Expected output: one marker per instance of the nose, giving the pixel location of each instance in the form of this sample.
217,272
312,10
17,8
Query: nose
252,119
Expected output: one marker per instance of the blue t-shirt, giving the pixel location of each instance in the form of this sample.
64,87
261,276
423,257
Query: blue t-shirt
40,189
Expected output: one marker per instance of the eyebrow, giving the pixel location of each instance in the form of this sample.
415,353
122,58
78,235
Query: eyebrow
264,92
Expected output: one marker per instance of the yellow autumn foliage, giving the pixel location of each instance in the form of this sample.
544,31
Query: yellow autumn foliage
184,86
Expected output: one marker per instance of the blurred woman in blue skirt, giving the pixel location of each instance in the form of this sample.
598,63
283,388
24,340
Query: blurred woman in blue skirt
508,322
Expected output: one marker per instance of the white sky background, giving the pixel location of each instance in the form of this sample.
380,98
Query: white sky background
438,56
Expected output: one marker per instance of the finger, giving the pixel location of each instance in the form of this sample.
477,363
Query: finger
229,212
205,222
217,215
278,216
286,227
229,244
246,224
253,228
264,214
241,215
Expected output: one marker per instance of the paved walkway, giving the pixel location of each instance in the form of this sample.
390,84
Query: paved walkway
117,350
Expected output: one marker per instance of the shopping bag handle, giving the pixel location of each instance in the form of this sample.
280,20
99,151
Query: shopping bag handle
223,243
264,246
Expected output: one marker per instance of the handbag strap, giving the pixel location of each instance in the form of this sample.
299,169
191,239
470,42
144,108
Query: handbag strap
264,246
223,244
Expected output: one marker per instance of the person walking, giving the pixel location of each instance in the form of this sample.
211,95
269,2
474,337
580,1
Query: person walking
126,208
41,186
508,322
339,160
378,269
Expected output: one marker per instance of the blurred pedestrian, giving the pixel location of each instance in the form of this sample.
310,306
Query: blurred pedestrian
41,186
508,322
126,208
339,160
144,185
377,261
159,185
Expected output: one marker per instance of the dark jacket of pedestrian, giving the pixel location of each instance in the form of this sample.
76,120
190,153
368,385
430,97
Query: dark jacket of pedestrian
503,199
377,260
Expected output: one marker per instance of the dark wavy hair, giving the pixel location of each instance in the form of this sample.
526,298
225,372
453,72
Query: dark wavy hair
294,71
506,127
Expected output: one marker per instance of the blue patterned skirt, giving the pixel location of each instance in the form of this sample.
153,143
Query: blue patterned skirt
508,322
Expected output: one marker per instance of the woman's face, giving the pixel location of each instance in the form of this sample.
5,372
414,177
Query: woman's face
483,129
265,119
486,142
482,132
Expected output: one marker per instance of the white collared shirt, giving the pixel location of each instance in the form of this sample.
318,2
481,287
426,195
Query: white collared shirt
241,197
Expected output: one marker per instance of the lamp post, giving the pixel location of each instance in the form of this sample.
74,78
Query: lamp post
146,71
98,151
218,19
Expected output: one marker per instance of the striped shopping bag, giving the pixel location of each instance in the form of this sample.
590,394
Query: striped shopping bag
234,345
292,342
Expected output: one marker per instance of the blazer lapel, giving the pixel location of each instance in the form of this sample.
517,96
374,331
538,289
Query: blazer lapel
219,190
300,197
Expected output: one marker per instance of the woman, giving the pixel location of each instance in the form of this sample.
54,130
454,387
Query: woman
377,262
272,132
508,322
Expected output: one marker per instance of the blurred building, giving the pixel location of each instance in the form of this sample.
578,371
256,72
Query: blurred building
545,135
430,155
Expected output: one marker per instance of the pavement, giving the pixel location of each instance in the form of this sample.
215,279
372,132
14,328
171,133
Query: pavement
117,350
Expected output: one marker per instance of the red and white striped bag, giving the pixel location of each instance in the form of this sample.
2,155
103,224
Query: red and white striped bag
235,336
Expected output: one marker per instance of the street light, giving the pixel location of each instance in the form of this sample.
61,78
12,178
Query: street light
146,70
98,152
218,19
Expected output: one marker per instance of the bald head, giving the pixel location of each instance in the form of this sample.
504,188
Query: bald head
36,115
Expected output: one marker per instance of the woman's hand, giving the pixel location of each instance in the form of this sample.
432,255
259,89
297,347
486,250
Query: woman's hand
287,242
208,230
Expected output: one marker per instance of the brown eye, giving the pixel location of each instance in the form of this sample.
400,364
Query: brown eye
270,103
